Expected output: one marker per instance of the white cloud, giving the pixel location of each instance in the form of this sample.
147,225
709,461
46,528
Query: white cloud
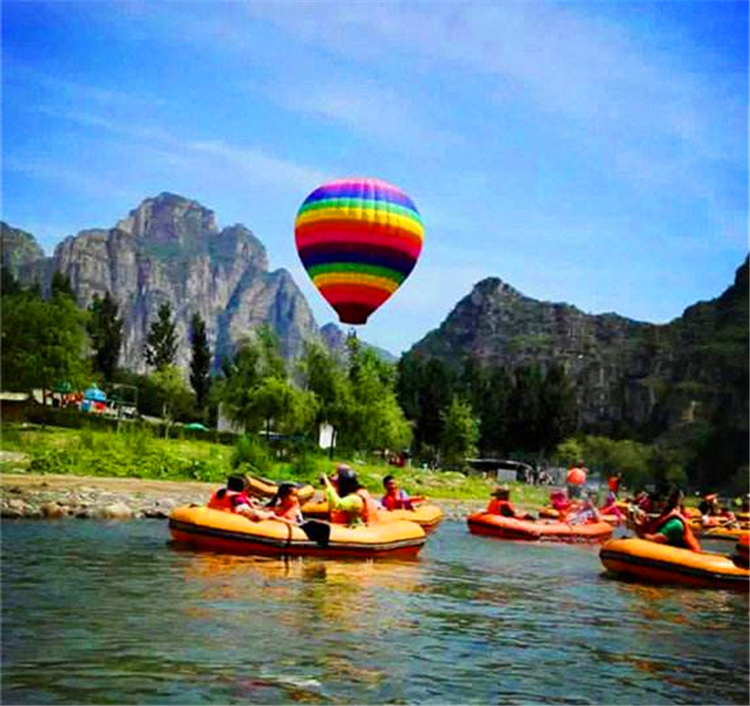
261,167
69,177
615,88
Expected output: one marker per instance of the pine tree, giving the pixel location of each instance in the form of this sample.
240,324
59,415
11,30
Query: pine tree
200,365
105,331
161,342
61,286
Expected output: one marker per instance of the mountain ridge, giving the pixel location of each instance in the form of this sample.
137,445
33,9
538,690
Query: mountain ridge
628,375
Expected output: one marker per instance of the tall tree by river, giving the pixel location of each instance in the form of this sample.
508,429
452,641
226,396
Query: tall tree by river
104,327
161,342
200,363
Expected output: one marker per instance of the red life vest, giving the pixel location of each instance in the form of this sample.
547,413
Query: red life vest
688,538
501,507
292,512
222,500
400,501
368,515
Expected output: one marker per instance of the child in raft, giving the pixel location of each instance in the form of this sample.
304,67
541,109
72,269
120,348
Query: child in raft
560,502
610,507
234,497
500,505
285,504
587,512
397,499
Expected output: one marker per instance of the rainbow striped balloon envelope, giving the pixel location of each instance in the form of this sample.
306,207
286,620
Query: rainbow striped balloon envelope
358,239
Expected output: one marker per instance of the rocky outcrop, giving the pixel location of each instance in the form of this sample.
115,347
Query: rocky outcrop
18,250
171,250
628,375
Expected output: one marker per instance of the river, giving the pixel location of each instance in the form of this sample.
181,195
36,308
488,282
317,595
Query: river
96,612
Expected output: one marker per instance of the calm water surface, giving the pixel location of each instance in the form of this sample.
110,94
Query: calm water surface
97,613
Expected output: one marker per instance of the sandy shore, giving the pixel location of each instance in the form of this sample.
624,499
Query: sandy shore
26,495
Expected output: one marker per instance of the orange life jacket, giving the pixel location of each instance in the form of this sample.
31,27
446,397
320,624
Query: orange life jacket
688,538
222,500
369,511
501,507
290,513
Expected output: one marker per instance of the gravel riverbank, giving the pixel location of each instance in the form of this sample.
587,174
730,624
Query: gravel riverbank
25,495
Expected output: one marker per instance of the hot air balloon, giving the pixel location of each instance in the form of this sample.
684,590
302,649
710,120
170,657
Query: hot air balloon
358,239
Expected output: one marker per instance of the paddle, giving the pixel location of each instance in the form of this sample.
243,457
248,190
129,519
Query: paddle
319,532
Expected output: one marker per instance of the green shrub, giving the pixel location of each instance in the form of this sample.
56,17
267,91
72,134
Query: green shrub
87,437
207,471
138,439
251,455
307,468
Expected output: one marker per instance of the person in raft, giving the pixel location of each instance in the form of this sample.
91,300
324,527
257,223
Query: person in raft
397,499
500,505
712,513
233,496
560,502
285,505
349,502
587,512
671,527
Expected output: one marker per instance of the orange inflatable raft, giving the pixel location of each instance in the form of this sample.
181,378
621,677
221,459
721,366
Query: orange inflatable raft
426,516
731,533
513,528
201,527
552,514
660,563
263,488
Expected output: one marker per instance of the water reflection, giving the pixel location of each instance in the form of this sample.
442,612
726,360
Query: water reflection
100,614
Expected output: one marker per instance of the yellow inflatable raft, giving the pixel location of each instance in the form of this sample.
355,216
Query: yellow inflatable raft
201,527
659,563
426,516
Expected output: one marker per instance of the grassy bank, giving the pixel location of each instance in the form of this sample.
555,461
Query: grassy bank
136,453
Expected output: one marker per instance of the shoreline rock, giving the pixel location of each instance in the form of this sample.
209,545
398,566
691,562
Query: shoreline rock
58,497
63,497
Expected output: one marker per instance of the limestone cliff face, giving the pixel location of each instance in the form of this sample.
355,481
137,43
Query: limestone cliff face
18,249
627,374
170,249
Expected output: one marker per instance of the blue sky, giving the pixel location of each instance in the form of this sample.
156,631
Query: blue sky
594,153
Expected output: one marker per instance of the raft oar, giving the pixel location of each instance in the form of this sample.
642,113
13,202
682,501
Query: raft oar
319,532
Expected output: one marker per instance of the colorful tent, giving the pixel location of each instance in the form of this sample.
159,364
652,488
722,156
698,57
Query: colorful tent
95,394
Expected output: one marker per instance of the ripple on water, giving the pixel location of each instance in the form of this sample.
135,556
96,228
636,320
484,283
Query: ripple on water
108,612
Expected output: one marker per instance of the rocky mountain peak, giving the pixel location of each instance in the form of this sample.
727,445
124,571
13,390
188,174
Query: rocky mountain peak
495,287
170,250
170,218
17,248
